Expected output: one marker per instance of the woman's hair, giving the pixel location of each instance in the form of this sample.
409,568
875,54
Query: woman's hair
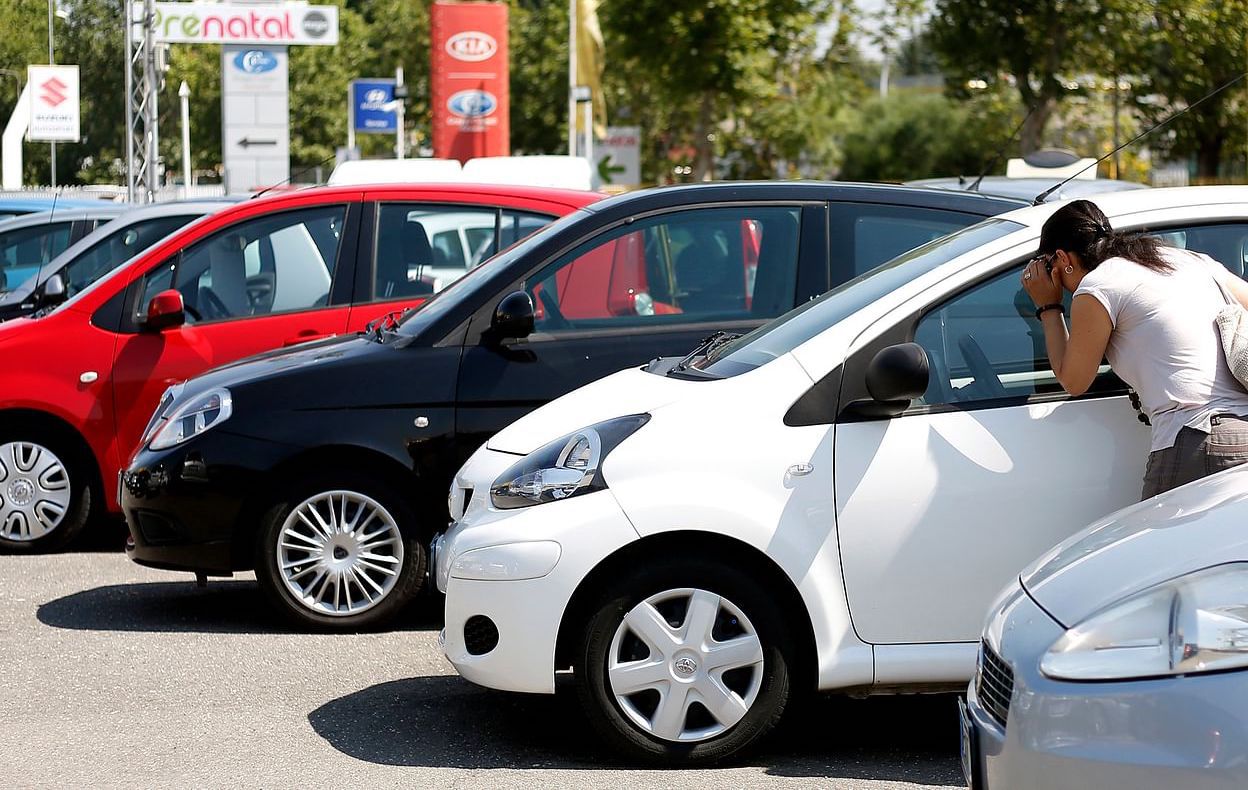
1082,228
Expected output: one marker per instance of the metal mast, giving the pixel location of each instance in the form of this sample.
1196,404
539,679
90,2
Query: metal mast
143,82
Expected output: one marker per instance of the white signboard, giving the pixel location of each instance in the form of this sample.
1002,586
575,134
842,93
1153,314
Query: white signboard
255,117
617,157
54,111
225,23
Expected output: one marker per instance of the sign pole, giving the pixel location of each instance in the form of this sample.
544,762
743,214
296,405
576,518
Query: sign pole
398,111
51,62
350,119
184,93
572,77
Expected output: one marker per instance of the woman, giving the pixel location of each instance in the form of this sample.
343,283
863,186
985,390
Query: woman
1149,309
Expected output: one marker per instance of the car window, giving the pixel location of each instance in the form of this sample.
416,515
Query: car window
423,248
272,264
24,250
864,235
109,253
986,343
683,267
786,333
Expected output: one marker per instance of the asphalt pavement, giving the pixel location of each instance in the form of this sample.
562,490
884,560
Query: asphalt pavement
118,676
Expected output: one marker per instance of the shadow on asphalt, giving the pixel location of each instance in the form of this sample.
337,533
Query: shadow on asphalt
444,721
224,606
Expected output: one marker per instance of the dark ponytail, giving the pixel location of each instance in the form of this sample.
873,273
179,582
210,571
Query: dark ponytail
1082,228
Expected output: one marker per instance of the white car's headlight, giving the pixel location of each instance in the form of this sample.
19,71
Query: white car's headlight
192,418
1195,623
566,467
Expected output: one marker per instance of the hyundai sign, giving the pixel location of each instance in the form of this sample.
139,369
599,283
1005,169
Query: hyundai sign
223,23
373,108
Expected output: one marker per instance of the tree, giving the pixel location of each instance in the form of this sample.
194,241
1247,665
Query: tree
1034,43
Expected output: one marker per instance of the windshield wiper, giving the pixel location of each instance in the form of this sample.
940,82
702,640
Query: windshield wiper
389,322
705,348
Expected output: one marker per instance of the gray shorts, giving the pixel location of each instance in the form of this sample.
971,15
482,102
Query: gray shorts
1196,454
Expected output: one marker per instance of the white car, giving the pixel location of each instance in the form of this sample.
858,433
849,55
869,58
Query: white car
830,502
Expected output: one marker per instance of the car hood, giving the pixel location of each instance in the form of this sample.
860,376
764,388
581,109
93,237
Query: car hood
631,391
281,362
1184,530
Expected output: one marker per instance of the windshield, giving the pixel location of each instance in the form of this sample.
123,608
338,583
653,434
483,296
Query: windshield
795,327
439,304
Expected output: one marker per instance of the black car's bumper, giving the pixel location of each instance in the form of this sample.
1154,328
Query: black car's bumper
196,507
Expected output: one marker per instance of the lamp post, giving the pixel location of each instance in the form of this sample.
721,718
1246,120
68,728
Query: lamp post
52,62
184,93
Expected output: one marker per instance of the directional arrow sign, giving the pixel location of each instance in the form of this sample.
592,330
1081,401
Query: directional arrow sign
247,142
606,169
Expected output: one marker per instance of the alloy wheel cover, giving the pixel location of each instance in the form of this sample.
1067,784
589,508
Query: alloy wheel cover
339,553
35,491
669,677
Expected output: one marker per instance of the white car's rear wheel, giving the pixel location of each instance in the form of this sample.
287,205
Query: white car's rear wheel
685,663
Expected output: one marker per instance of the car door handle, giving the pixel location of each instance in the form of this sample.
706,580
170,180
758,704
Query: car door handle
306,335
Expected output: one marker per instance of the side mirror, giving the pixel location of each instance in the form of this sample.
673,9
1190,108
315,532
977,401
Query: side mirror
165,311
896,376
54,290
514,317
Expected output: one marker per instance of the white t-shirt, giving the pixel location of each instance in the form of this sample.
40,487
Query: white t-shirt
1165,341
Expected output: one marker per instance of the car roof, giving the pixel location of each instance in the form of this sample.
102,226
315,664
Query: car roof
172,208
1028,188
103,211
707,192
1117,204
27,204
480,193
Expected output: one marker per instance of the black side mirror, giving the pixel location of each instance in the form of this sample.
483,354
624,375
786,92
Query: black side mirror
54,290
513,317
895,376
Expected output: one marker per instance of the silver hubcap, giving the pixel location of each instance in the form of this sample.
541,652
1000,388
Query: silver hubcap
34,491
340,553
685,665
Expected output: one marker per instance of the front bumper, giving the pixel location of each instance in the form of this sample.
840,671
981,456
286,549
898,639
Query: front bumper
509,576
1189,732
187,506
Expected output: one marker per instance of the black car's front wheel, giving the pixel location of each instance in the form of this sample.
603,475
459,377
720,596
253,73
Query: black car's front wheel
338,554
686,662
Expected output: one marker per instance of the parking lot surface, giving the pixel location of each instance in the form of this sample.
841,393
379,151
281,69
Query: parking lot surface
120,676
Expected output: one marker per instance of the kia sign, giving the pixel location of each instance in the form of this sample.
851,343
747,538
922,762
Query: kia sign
54,110
223,23
372,106
469,85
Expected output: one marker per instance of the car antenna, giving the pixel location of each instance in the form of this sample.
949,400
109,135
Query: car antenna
974,187
1040,198
271,187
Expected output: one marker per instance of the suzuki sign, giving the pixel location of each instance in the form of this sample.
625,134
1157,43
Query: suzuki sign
54,111
223,23
469,85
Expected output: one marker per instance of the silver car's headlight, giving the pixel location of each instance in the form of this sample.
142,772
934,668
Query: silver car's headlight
1195,623
192,418
566,467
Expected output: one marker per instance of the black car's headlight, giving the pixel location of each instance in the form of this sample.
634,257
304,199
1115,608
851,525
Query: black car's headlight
566,467
196,415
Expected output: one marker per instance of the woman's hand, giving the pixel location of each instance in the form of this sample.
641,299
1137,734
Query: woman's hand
1044,287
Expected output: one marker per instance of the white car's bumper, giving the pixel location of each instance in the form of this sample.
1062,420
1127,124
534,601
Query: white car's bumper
509,575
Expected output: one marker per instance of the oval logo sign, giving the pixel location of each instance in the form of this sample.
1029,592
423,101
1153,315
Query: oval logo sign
472,46
472,104
255,61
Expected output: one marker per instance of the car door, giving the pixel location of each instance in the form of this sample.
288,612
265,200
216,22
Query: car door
414,249
258,284
648,288
940,506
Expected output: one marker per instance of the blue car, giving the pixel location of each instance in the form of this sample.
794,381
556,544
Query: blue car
32,240
20,205
1120,659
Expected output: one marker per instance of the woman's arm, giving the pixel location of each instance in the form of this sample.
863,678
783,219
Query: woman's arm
1238,289
1076,355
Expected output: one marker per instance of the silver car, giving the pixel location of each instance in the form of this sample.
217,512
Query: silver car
1120,658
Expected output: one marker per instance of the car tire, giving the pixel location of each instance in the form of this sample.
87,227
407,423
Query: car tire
637,724
369,563
45,492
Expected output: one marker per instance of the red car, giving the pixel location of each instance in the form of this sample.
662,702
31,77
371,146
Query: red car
80,383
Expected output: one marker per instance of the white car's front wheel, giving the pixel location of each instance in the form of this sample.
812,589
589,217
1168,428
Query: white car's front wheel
685,662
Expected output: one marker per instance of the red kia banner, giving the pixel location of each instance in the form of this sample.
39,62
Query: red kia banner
470,83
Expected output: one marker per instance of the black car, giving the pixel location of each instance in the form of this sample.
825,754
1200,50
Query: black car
325,467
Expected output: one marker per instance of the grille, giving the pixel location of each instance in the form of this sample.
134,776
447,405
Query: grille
994,685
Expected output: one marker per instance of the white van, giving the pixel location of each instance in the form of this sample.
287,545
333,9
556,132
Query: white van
829,502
